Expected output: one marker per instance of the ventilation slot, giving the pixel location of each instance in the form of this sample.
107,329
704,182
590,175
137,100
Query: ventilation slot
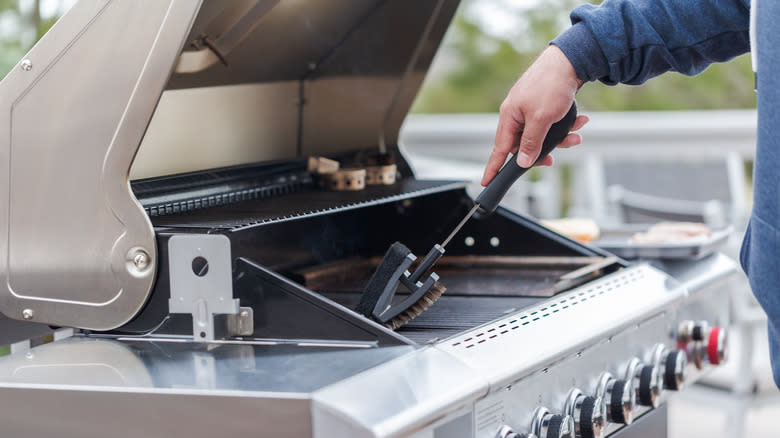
550,309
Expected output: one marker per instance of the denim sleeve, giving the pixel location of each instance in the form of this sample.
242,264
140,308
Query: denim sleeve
631,41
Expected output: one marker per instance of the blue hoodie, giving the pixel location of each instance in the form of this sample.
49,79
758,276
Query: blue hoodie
630,41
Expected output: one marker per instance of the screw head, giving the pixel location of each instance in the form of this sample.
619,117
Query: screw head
27,314
141,260
26,65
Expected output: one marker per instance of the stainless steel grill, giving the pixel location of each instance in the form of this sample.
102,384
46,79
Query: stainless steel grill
192,290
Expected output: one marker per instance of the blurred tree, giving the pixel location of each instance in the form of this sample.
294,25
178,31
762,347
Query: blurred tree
20,28
482,64
11,47
490,43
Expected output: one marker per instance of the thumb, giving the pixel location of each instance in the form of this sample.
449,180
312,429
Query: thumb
531,143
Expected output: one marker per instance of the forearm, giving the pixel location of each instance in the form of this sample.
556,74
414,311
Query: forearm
630,41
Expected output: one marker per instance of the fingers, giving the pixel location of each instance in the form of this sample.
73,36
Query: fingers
579,122
575,139
531,142
500,152
571,140
506,139
546,161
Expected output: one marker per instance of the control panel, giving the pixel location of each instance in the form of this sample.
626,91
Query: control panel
597,404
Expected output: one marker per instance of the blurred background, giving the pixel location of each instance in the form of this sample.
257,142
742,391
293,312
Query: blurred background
677,148
488,45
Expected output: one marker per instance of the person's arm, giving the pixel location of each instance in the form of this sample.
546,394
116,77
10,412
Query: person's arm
619,41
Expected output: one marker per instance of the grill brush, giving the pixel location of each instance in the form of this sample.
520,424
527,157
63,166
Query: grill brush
393,271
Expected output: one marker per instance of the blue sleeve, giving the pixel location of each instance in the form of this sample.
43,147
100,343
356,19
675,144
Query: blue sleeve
630,41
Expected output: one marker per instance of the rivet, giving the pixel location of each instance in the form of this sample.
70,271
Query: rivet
28,314
26,65
141,259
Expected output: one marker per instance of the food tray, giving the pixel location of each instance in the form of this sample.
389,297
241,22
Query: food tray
617,241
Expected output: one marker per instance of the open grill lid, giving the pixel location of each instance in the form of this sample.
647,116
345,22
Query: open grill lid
303,77
267,79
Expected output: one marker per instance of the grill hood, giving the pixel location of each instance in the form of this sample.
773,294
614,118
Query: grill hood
267,80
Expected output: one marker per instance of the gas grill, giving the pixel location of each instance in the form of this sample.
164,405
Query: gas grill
211,287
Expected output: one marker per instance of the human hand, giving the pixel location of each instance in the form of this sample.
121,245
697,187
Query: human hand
541,97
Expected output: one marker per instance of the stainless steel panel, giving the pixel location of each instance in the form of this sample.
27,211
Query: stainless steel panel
205,128
515,402
303,78
701,275
299,40
562,325
333,125
77,249
397,398
43,412
140,364
653,424
208,292
84,387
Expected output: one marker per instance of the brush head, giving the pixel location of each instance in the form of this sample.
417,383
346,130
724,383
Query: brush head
389,270
420,306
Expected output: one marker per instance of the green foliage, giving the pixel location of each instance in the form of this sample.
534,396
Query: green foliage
486,66
14,47
11,49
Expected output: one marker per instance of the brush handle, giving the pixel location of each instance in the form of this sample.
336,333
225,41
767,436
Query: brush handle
427,263
492,195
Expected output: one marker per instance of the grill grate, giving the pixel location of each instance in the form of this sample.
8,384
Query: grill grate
301,204
451,314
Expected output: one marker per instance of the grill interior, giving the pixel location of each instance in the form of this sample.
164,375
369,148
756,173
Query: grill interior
303,244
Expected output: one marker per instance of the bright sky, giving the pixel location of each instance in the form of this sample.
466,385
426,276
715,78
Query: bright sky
499,18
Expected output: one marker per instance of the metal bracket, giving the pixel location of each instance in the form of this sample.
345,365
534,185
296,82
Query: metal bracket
201,280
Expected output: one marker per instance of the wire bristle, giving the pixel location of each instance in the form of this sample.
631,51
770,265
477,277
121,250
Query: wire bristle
425,302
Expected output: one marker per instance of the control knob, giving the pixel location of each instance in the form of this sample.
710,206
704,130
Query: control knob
507,432
692,331
619,397
647,382
674,363
709,345
716,345
548,425
587,413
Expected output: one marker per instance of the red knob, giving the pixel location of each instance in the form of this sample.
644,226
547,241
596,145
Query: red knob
716,345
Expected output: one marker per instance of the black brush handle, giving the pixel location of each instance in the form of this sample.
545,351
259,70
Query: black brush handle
492,195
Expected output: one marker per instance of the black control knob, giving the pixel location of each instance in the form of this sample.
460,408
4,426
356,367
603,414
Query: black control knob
648,390
621,399
588,415
547,425
701,331
674,370
559,426
690,331
507,432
